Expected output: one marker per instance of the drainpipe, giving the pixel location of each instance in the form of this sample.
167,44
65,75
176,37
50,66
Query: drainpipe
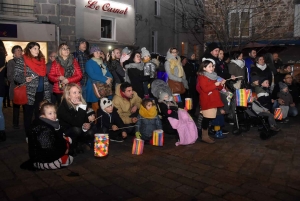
58,26
175,26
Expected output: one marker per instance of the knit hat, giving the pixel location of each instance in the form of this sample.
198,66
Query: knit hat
90,111
126,50
104,103
162,96
254,78
95,49
145,52
212,46
261,80
282,86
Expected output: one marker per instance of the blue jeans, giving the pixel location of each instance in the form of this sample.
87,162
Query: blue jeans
293,111
2,122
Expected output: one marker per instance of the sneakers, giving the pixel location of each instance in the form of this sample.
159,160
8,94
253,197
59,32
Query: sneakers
117,139
275,128
219,135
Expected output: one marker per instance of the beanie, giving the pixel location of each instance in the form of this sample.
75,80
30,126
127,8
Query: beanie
145,52
254,78
163,95
95,49
282,86
126,51
262,80
212,46
104,103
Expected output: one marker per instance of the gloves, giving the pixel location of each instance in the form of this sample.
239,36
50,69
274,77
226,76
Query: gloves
138,135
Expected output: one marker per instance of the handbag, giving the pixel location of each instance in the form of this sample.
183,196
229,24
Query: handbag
20,93
102,90
176,87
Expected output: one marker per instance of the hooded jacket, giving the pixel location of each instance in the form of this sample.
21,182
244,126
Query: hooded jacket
175,74
124,106
108,120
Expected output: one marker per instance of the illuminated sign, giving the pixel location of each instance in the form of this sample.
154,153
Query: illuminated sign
107,7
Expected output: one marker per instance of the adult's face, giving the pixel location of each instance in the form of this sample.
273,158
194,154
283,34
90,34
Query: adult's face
193,57
261,61
288,79
252,54
75,94
64,51
221,55
102,55
34,51
184,61
174,52
137,58
275,56
117,53
82,46
128,92
215,52
18,53
52,56
240,57
97,54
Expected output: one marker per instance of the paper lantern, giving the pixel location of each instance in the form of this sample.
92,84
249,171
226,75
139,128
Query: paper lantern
138,146
101,143
158,138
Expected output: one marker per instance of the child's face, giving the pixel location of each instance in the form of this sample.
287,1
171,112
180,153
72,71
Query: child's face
265,83
285,89
109,109
166,97
209,68
50,113
91,117
146,58
256,83
149,105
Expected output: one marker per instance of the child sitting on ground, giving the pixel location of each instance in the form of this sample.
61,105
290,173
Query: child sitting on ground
110,122
287,98
48,147
148,121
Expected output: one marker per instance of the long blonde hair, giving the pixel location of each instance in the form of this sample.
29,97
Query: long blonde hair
66,94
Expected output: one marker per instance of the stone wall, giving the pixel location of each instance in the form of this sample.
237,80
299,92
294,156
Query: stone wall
271,20
61,13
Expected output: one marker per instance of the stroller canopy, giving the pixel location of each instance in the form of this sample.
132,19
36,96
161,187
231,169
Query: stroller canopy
159,86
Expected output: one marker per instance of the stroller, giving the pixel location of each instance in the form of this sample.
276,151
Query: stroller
245,117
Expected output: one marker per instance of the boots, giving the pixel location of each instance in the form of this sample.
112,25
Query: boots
206,138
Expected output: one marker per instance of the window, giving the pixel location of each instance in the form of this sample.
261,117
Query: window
240,23
184,20
157,7
154,41
107,28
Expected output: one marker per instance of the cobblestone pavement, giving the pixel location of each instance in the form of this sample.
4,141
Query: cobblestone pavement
236,168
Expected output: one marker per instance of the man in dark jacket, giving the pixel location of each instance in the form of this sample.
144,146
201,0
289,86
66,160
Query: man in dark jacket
277,61
250,62
82,57
293,89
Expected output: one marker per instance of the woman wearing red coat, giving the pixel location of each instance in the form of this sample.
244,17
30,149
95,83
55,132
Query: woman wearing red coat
208,88
65,69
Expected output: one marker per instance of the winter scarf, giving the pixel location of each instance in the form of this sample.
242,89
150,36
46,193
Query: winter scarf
211,76
240,63
173,64
261,67
100,63
67,65
37,66
139,66
54,124
148,114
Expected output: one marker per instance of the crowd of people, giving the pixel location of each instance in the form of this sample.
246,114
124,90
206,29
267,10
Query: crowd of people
76,95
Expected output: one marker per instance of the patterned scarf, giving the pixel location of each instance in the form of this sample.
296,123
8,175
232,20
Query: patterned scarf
67,65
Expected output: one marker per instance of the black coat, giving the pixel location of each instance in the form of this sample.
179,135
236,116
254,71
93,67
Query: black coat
137,78
2,75
108,120
163,110
45,144
267,73
69,117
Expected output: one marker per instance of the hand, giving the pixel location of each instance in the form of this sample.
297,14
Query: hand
65,81
280,101
91,118
278,70
67,151
222,111
114,128
232,77
272,100
217,84
107,56
223,82
76,101
108,81
86,126
61,77
134,120
133,109
113,55
124,134
292,105
28,79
